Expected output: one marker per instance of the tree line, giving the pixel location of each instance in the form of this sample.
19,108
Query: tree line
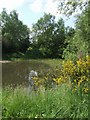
47,38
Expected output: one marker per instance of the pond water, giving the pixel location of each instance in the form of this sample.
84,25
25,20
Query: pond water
17,73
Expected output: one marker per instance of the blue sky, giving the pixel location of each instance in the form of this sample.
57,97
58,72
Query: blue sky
30,11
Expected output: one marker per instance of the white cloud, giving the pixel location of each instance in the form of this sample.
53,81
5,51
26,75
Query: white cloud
10,4
36,6
47,6
51,6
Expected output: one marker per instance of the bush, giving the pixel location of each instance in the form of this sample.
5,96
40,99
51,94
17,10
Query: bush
61,92
74,73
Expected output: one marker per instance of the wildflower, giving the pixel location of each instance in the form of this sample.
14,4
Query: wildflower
80,81
74,89
79,62
45,78
86,90
35,78
68,68
88,60
58,80
36,83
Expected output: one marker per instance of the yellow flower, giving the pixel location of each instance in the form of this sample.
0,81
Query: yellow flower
80,81
54,79
79,62
74,89
88,63
58,80
35,78
45,78
68,68
86,90
36,83
88,58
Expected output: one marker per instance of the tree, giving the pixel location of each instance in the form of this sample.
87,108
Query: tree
15,35
83,30
68,7
80,42
42,33
58,39
48,36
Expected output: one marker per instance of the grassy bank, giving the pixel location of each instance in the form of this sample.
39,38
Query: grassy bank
66,98
59,102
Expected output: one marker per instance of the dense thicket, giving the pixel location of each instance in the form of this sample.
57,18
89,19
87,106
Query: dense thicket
79,44
48,38
15,35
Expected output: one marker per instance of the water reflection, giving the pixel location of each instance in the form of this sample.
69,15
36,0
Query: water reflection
17,73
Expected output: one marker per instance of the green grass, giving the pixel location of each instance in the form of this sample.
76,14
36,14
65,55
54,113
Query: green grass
20,57
59,102
49,62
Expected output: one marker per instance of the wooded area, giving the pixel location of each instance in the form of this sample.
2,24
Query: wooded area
36,87
47,38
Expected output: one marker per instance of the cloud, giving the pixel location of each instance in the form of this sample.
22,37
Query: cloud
47,6
51,6
10,4
36,6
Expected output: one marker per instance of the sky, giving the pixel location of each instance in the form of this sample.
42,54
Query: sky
29,11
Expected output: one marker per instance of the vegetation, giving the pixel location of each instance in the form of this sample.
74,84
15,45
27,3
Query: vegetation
59,102
15,35
62,91
79,44
70,7
47,38
59,93
76,74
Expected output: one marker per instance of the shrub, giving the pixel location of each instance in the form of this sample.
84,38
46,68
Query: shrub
74,73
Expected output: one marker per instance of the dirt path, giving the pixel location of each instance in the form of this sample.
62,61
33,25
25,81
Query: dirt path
4,61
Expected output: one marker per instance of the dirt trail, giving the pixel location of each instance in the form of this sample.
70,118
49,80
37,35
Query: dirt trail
4,61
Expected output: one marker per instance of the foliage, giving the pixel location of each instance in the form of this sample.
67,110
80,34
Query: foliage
60,92
76,74
79,43
15,35
70,50
69,7
48,37
59,102
83,28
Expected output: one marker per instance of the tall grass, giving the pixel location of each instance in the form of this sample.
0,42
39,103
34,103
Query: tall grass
58,102
66,98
